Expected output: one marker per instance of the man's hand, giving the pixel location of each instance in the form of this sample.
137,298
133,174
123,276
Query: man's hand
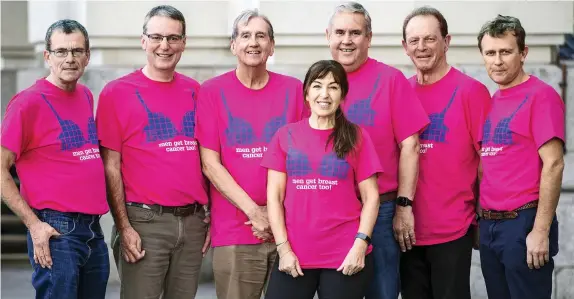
131,244
41,232
537,249
259,219
263,236
404,227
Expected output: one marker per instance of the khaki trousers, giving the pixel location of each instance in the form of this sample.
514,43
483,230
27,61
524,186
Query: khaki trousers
172,260
242,271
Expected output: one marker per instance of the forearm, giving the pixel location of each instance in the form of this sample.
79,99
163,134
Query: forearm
369,213
276,212
550,185
408,170
116,197
11,196
227,186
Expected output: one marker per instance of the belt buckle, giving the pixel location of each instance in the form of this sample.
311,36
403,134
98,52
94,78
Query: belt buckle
486,214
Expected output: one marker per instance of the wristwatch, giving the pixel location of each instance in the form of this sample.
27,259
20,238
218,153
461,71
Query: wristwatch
363,237
403,201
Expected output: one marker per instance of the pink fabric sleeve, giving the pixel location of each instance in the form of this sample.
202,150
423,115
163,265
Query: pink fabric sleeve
407,113
275,157
302,106
367,160
547,118
107,121
476,108
14,131
206,130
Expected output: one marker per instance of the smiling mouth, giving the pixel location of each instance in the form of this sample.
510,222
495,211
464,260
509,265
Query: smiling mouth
164,55
347,50
253,52
324,105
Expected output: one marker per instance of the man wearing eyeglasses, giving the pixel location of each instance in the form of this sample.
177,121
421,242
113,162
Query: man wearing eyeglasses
156,190
49,134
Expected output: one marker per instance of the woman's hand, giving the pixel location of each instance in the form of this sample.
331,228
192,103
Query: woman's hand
355,259
288,263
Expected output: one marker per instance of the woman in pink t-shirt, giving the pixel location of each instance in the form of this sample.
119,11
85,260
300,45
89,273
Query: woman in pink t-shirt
316,169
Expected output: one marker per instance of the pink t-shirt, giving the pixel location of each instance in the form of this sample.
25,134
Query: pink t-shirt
382,101
53,134
448,164
322,211
238,123
152,125
521,120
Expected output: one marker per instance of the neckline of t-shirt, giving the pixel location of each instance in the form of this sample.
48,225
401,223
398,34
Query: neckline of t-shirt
445,79
240,85
517,89
319,131
143,77
59,91
362,69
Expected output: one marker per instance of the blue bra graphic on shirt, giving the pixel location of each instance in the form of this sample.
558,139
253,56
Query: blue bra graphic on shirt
72,137
240,132
161,128
360,112
297,163
437,129
502,134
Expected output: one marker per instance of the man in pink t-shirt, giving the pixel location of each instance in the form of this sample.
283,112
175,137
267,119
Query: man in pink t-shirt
49,134
382,102
522,160
157,192
445,203
237,115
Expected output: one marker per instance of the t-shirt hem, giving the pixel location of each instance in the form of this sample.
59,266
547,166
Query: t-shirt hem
437,241
9,147
111,146
550,137
234,242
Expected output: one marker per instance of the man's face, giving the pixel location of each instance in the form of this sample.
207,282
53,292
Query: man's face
163,53
424,43
348,40
502,58
253,45
68,56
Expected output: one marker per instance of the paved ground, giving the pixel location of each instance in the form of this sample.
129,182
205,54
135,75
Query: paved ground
16,284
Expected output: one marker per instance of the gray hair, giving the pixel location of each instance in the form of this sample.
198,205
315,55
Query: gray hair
66,26
165,11
246,16
354,7
502,25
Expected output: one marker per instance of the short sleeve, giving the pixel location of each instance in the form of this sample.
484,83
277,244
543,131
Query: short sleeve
367,160
477,105
547,118
408,116
107,121
206,130
275,157
14,131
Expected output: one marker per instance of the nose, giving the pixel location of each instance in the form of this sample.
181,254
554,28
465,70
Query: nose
164,44
498,59
421,45
69,57
324,93
253,41
347,39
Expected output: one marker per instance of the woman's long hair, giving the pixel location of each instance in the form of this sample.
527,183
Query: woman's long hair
344,134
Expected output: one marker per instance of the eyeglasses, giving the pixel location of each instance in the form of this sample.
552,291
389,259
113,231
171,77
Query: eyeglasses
77,52
171,39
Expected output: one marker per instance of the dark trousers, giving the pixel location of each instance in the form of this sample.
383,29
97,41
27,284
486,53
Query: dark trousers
329,283
386,253
503,258
440,271
81,264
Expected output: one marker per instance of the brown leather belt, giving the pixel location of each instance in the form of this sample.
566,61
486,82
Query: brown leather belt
499,215
389,196
182,211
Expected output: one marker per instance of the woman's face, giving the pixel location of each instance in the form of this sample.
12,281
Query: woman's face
324,96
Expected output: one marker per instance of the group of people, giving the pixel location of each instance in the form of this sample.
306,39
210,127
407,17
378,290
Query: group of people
355,183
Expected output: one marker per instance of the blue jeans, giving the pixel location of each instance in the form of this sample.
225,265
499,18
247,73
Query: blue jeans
80,261
503,258
386,254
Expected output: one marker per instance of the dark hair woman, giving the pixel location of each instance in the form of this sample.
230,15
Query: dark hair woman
321,229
